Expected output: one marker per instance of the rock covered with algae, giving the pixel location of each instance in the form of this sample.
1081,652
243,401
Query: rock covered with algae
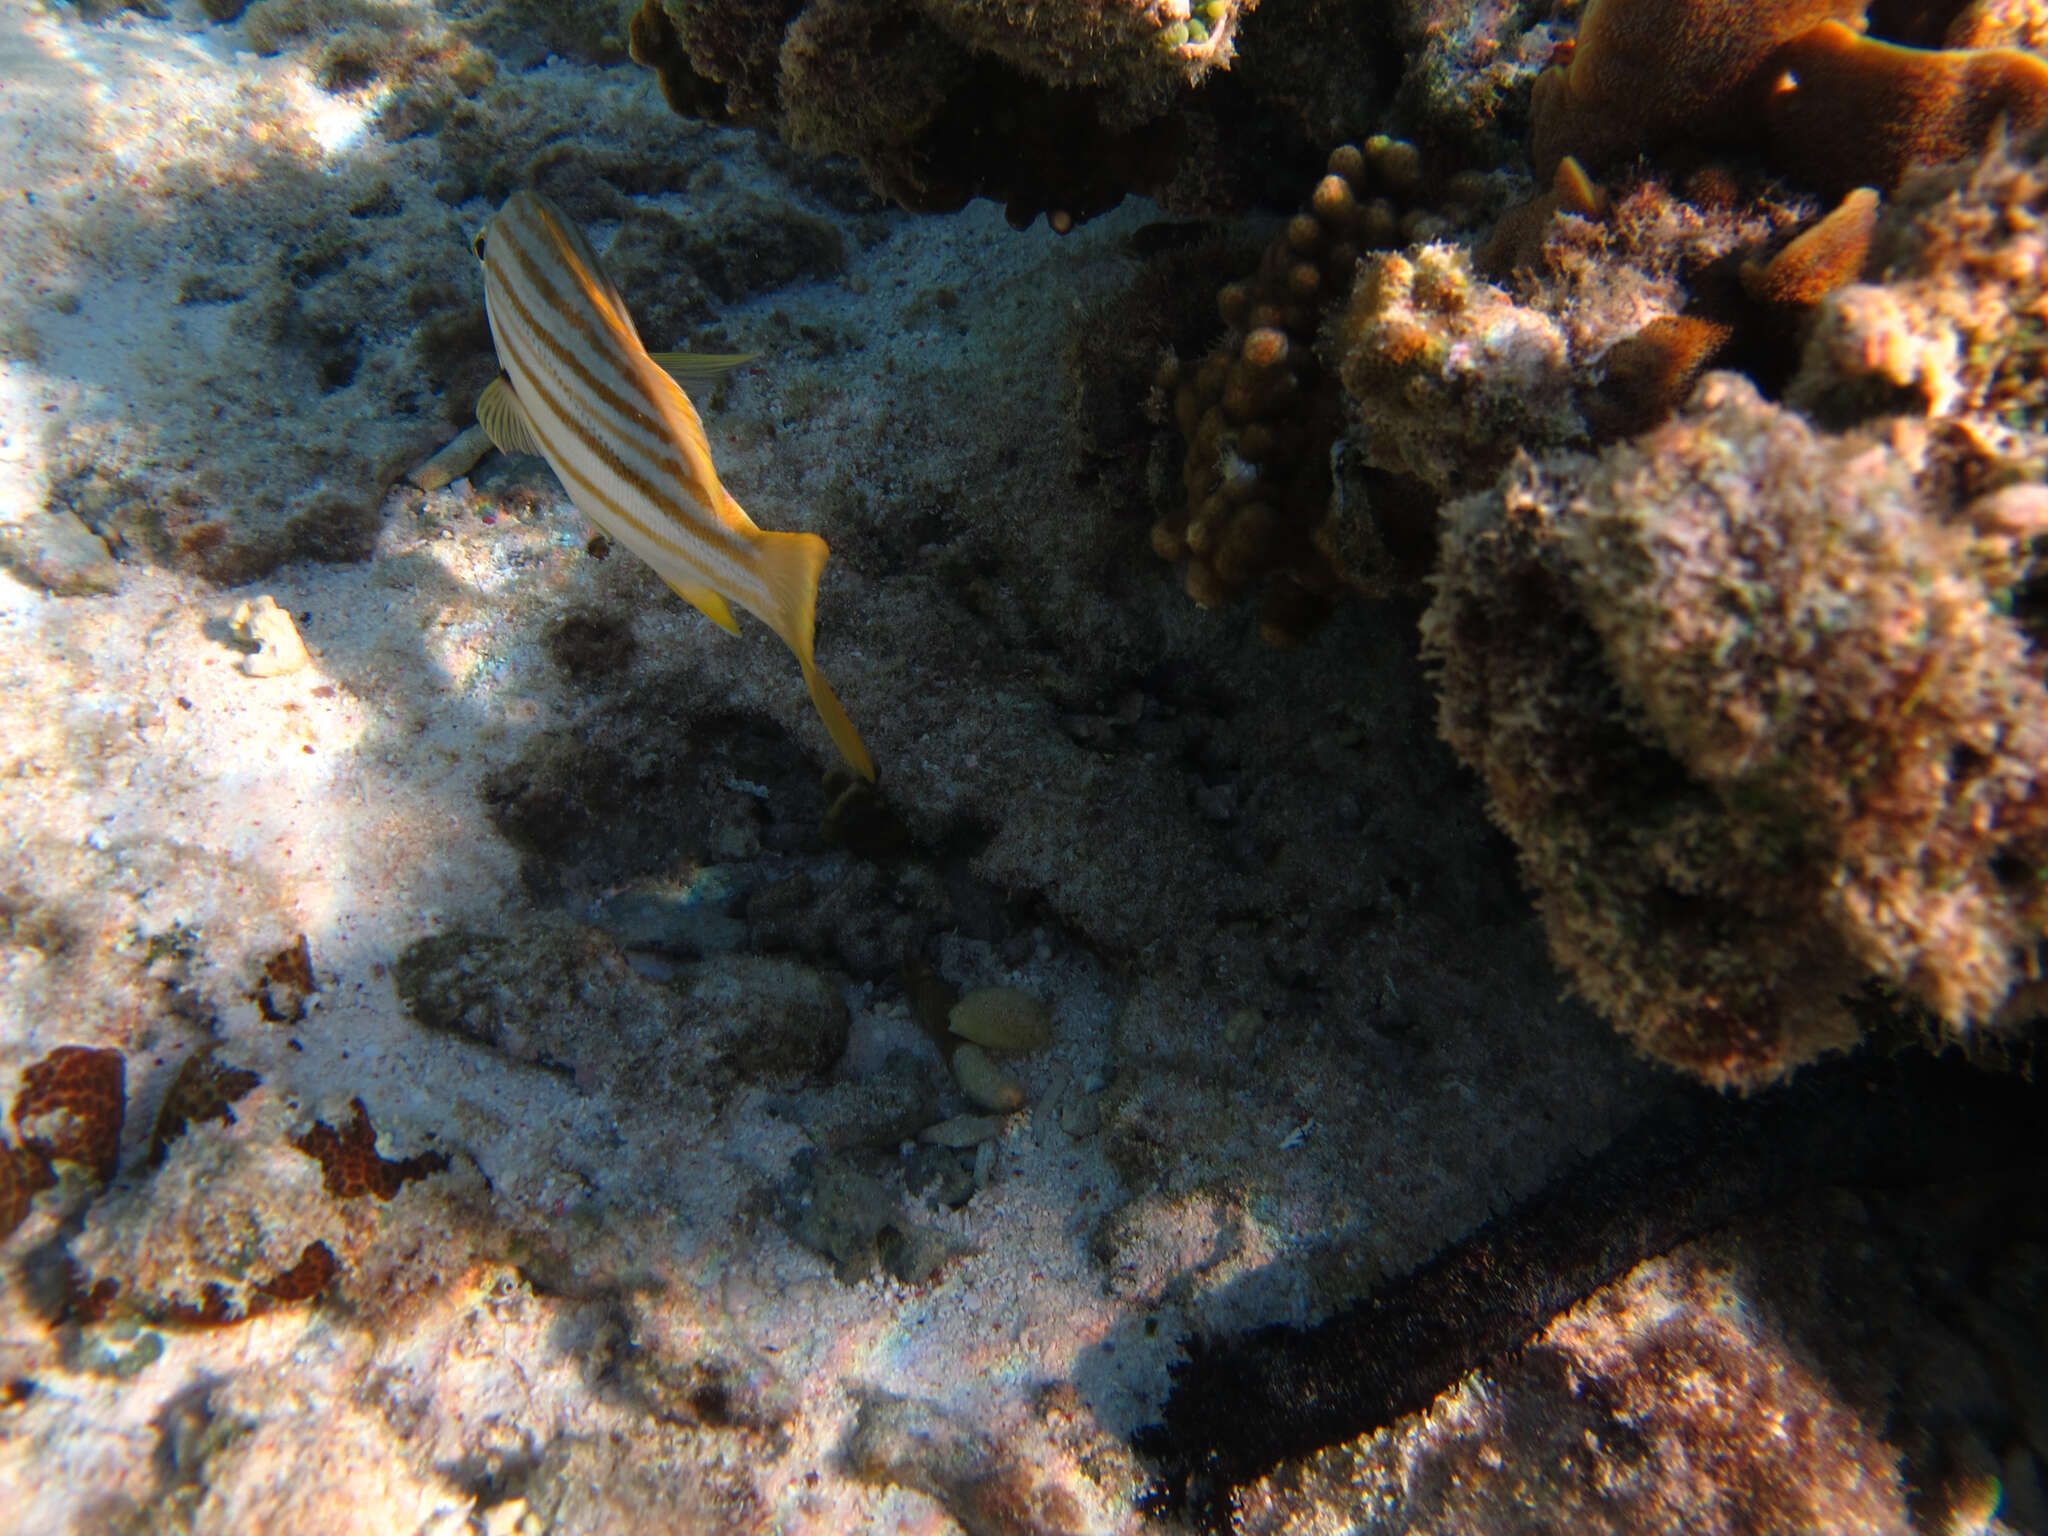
1057,108
1800,639
1756,705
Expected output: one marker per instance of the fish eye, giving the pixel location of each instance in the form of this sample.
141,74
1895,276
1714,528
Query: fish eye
477,245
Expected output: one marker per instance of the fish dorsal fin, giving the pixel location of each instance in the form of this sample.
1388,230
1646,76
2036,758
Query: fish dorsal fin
584,264
699,367
710,604
503,417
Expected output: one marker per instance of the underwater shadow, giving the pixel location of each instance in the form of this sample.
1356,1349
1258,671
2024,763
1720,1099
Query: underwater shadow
1761,1177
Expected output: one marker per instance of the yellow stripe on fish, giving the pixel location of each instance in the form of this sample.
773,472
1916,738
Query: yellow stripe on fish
579,390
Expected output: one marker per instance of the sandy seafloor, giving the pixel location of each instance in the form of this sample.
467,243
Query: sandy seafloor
1304,1029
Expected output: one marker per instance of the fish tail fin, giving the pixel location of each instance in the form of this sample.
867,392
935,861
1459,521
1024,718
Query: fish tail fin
793,562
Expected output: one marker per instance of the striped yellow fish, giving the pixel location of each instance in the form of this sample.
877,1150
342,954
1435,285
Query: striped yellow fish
579,390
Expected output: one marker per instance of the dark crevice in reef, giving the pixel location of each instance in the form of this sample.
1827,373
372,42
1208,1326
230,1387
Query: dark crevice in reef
1699,1162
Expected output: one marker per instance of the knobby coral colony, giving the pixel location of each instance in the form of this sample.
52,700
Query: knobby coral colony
1261,412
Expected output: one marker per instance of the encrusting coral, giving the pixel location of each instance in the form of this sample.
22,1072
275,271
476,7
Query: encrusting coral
23,1175
205,1088
1831,106
349,1162
1445,375
1755,708
71,1105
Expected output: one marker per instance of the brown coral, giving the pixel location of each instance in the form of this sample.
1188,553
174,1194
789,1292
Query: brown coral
1646,376
1261,412
1831,106
287,982
1818,260
304,1280
203,1089
349,1164
71,1105
1860,112
1645,74
22,1173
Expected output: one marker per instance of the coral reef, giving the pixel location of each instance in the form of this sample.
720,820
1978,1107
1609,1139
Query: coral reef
1705,913
1753,704
589,931
1430,374
1700,910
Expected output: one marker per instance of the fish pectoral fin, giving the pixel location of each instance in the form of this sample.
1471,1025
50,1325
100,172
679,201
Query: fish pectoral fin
710,604
699,367
503,417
